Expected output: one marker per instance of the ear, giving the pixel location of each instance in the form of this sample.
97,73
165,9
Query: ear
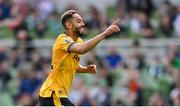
68,25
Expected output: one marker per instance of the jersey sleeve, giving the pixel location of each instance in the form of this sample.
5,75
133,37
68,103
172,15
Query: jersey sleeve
64,43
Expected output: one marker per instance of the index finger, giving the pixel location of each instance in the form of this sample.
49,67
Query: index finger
116,22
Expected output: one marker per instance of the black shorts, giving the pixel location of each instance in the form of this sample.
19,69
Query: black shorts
51,101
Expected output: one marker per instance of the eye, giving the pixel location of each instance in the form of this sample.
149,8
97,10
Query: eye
79,21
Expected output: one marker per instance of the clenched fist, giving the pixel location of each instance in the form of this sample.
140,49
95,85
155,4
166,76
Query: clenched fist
91,69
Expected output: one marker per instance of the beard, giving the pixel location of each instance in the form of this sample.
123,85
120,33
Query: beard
81,31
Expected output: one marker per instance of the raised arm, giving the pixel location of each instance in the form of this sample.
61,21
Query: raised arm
89,44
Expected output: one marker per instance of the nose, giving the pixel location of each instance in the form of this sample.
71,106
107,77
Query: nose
83,24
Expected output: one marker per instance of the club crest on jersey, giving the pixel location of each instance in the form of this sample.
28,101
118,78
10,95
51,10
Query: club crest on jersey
76,57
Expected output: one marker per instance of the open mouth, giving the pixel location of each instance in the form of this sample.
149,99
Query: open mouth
82,29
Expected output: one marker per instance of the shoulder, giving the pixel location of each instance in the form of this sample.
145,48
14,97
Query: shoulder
80,40
63,38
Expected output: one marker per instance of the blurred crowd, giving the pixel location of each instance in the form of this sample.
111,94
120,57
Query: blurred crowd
130,79
121,79
139,18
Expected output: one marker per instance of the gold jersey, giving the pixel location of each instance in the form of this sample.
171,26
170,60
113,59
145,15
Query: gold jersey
63,68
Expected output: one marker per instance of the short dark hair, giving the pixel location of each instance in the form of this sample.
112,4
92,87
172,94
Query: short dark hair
66,16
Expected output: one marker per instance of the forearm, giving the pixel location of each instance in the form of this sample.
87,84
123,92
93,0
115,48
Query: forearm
89,44
81,69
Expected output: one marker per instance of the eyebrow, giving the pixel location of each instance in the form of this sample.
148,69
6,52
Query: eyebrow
79,19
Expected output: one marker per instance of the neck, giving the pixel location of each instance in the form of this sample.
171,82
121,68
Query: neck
73,35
